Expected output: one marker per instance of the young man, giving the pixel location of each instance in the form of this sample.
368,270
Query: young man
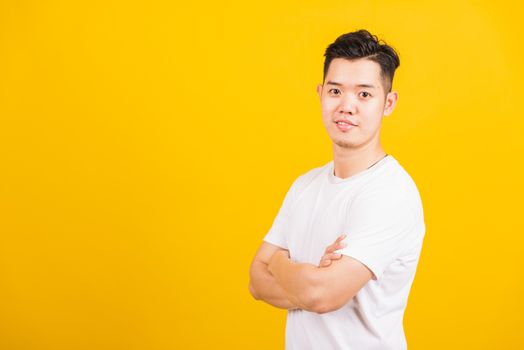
353,294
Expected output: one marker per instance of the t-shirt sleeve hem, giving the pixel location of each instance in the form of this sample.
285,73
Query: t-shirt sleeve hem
275,242
376,270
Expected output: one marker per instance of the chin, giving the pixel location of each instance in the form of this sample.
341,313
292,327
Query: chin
345,143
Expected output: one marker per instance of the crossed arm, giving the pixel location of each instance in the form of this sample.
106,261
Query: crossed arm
283,283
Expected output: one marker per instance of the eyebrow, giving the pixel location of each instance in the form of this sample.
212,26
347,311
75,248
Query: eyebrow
358,85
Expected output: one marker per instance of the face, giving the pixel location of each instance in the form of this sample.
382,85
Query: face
353,92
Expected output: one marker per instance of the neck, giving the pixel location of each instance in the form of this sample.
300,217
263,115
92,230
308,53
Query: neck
348,162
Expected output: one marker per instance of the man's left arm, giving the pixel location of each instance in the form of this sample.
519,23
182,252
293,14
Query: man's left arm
319,289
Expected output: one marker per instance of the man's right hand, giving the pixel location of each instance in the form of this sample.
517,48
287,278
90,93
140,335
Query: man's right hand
328,256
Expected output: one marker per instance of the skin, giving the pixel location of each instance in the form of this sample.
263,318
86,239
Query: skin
356,149
263,285
274,277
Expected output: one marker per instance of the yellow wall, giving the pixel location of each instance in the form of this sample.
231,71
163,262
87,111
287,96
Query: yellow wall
146,148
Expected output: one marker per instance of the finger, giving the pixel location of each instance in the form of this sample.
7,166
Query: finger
328,259
337,241
325,262
340,238
334,256
333,247
342,245
329,249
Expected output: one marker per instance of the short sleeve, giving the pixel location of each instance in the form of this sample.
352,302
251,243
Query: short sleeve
381,226
277,232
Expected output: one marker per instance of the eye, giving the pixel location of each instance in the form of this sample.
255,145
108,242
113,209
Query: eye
334,90
367,93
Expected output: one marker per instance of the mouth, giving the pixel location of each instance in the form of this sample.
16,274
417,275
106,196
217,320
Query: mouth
345,125
345,121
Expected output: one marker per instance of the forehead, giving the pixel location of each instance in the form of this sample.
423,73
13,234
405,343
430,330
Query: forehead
354,72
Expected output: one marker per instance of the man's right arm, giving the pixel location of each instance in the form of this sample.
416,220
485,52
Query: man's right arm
262,284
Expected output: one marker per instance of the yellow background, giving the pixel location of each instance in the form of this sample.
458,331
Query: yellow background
146,148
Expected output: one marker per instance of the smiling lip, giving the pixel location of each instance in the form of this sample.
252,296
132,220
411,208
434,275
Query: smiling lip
344,125
345,121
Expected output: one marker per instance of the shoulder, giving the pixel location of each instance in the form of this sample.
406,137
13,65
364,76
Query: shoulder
390,195
308,177
391,183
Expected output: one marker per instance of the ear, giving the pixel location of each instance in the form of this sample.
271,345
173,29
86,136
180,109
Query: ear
391,101
319,90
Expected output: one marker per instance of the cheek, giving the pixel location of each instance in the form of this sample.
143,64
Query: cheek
371,107
328,110
373,112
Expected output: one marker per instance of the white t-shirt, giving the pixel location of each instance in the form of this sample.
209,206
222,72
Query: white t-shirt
381,212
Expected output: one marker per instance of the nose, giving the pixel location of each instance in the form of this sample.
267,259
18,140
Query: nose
347,105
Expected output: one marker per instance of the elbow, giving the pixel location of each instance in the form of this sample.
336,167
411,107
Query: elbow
321,306
252,275
313,299
321,301
318,304
253,291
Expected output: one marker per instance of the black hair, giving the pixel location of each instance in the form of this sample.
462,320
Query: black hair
362,44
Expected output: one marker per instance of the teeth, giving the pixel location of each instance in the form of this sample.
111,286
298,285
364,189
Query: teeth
343,123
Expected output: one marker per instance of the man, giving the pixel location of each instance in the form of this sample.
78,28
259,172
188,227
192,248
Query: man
352,294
